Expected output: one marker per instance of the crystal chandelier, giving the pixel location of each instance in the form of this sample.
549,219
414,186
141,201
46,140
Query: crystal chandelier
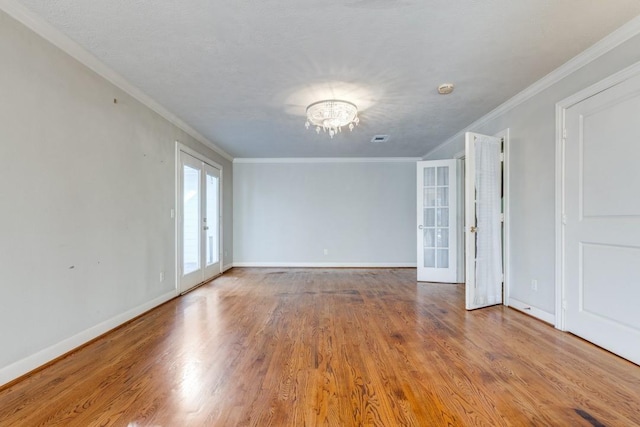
330,115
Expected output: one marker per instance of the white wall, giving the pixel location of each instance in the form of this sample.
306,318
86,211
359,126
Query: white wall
87,186
287,213
532,178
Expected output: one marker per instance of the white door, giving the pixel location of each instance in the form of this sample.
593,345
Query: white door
211,221
483,221
437,251
199,222
601,234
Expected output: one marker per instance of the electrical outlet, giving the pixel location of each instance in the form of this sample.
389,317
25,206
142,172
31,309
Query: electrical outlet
534,285
326,251
162,276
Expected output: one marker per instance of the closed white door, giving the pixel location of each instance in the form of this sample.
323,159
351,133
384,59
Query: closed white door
198,222
437,234
601,232
483,221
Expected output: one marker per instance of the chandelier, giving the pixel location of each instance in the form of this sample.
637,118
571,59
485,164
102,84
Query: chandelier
331,115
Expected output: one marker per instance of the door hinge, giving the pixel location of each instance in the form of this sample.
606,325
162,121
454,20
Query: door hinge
564,219
564,132
502,157
501,217
564,304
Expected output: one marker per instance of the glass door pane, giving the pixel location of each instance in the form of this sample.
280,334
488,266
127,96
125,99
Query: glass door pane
429,203
442,217
191,219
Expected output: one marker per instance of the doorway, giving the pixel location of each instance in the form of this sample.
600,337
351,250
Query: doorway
599,214
437,226
441,240
485,191
199,185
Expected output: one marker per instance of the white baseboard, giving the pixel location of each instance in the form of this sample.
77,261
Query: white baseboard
29,363
327,264
227,267
532,311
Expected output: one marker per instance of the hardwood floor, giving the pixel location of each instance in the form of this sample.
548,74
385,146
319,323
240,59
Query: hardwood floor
336,347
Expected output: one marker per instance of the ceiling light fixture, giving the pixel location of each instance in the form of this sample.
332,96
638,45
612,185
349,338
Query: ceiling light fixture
331,114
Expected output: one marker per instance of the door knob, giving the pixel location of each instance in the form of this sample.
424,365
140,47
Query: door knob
420,227
473,228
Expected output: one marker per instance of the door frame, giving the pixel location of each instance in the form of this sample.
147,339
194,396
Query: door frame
460,157
506,234
177,211
506,243
561,108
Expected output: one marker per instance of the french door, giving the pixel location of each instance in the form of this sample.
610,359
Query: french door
437,211
483,218
198,221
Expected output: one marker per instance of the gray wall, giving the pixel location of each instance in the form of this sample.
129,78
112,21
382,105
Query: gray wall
87,186
363,213
532,177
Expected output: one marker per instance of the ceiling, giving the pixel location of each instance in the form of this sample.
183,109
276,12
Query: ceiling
242,73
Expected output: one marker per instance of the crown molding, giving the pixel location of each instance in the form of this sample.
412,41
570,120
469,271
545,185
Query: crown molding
328,160
608,43
45,30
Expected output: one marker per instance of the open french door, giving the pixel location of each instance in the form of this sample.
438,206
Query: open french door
437,226
483,221
198,221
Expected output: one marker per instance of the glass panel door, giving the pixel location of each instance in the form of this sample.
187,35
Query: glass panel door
436,221
212,220
199,221
191,219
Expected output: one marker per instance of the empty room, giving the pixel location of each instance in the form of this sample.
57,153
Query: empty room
337,213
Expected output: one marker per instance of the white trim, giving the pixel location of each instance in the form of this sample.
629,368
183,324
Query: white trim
602,85
177,184
460,196
227,267
34,361
327,264
532,311
329,160
198,155
45,30
559,212
561,108
506,247
608,43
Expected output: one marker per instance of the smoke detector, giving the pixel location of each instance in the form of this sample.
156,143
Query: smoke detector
445,88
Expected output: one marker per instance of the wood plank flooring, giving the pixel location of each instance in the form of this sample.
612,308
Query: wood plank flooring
334,347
